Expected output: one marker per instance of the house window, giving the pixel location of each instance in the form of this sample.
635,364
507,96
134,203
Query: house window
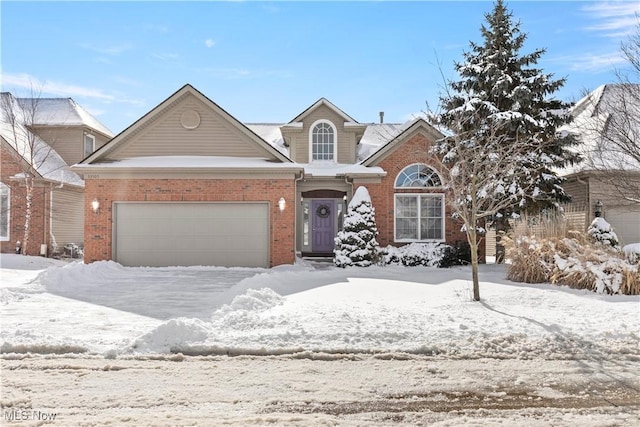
89,145
4,212
418,176
323,141
419,217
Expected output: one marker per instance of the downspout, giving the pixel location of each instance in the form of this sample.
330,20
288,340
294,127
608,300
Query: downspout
298,210
53,242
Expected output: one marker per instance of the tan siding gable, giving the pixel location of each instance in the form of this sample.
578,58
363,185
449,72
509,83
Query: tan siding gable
346,139
165,135
67,141
67,216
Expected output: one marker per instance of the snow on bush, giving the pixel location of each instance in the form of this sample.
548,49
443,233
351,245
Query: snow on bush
632,252
356,243
427,254
574,262
600,231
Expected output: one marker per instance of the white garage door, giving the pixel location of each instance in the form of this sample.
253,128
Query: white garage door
625,223
171,234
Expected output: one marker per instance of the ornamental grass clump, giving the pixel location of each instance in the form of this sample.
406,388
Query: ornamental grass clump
572,261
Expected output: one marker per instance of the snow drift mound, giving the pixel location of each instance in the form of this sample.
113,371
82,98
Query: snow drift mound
174,333
79,274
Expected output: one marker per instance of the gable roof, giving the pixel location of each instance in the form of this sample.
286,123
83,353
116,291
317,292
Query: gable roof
598,119
325,102
123,136
402,131
33,151
62,112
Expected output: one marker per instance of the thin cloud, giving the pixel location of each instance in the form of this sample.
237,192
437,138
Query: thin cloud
110,50
209,43
592,62
26,81
165,56
617,19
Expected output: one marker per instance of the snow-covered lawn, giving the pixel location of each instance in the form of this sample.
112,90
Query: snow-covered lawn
105,308
352,347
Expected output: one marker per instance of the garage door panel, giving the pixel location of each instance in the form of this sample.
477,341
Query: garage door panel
162,234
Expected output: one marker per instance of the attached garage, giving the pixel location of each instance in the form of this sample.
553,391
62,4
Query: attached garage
625,223
159,234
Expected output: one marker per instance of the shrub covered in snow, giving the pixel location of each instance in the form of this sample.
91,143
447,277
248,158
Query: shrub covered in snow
356,243
632,252
458,254
600,231
414,254
572,261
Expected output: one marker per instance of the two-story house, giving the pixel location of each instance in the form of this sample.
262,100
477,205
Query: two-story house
40,138
188,184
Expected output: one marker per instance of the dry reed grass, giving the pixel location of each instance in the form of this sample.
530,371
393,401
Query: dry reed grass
566,257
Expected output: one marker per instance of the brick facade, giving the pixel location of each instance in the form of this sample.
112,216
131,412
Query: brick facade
98,225
413,150
38,229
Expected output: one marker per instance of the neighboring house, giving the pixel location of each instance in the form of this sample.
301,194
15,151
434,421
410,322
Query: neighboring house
46,136
607,181
188,184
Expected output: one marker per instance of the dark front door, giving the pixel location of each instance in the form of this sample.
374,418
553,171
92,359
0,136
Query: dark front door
322,224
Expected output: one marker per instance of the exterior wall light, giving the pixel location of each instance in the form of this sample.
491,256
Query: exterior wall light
95,205
598,211
282,204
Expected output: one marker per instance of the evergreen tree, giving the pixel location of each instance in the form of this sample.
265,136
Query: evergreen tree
356,243
503,99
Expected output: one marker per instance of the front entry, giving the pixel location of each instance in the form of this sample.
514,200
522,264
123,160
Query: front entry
322,225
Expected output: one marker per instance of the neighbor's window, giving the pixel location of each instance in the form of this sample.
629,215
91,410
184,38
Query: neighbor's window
4,212
418,175
89,145
419,217
323,139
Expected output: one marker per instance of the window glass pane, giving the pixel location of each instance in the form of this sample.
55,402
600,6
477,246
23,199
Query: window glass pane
406,207
430,228
322,142
88,145
406,228
4,211
418,175
305,223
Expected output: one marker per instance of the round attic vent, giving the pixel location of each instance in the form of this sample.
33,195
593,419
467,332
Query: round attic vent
190,119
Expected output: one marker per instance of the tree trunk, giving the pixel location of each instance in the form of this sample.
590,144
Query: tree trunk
27,218
473,245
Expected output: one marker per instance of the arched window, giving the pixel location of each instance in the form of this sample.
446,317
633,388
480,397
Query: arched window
323,141
418,176
4,212
419,216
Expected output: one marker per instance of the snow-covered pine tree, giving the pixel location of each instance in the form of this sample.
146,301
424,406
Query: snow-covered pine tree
356,243
600,231
504,143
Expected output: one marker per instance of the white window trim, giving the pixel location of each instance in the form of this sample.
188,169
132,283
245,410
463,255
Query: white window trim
414,164
418,195
335,141
93,145
7,238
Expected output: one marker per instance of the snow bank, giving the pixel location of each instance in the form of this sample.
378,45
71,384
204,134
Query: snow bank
302,310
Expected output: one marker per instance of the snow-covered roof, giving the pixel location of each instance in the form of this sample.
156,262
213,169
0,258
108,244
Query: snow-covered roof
330,169
35,152
62,112
376,135
192,162
596,119
271,133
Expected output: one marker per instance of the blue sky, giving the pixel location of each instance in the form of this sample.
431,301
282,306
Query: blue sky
268,61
